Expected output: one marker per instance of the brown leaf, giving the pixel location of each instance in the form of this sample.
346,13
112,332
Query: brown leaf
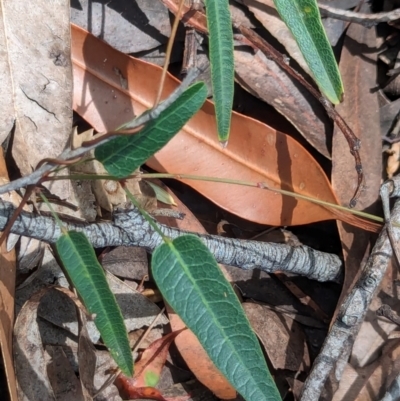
282,337
7,294
360,110
63,379
146,22
111,88
153,359
371,382
263,78
148,393
30,363
38,71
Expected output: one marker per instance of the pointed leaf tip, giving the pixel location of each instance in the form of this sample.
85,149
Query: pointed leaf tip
87,276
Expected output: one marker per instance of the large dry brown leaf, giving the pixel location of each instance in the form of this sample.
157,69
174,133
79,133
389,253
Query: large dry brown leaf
36,79
110,88
7,292
360,110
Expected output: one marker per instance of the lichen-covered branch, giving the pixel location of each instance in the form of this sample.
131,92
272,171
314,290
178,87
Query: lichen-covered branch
130,228
359,18
355,306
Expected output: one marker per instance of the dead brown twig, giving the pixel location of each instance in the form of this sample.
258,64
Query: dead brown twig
257,42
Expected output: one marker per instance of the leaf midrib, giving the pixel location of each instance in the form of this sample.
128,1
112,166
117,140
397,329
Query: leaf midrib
104,309
216,322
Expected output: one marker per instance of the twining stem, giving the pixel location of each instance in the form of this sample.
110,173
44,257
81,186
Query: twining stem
168,52
262,185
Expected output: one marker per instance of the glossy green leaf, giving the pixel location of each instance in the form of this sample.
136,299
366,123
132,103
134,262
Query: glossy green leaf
303,19
125,154
192,283
87,276
222,66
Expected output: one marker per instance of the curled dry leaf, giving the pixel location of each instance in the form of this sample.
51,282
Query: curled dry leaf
148,369
110,88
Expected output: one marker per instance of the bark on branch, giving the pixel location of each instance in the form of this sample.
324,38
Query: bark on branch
130,228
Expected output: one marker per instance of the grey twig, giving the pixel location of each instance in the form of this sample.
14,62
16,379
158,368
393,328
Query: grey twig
68,154
359,18
130,228
355,306
387,312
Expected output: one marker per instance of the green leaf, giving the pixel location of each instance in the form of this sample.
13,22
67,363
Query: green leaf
192,283
222,66
125,154
87,276
303,19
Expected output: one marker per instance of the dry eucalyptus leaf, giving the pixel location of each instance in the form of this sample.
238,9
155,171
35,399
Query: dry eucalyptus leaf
264,79
29,357
63,380
127,262
49,273
129,26
370,383
87,358
282,337
38,75
137,310
360,109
